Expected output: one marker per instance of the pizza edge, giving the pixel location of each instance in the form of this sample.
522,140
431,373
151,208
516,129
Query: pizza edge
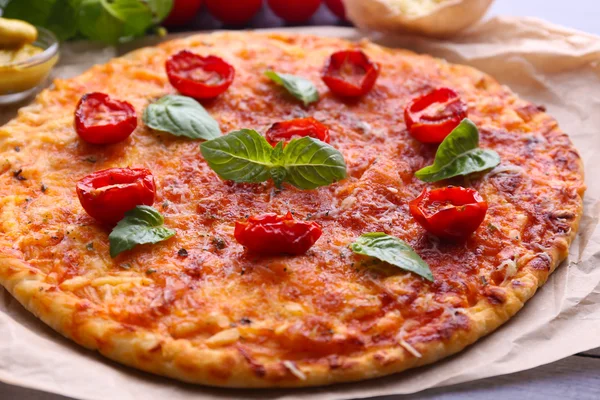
148,351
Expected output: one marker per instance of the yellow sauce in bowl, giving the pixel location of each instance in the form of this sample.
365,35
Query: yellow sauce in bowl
17,74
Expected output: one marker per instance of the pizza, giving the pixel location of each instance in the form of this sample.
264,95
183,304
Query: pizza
281,210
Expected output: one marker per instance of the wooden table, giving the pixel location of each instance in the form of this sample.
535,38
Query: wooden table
576,377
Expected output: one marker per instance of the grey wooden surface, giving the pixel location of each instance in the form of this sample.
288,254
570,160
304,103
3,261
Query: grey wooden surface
576,377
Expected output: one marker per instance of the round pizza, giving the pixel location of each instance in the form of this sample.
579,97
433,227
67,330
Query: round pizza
279,210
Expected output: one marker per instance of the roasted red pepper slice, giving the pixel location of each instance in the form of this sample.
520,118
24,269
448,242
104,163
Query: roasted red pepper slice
350,73
197,76
108,194
102,120
296,128
272,234
449,213
431,117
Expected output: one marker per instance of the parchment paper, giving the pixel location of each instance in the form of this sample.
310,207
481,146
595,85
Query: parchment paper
546,64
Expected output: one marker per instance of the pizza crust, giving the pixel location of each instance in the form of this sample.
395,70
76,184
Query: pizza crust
232,365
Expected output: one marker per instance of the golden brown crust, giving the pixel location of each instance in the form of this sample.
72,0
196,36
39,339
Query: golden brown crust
221,318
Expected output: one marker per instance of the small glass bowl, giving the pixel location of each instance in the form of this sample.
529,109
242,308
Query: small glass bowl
19,80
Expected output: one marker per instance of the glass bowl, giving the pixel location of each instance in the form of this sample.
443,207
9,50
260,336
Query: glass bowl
21,79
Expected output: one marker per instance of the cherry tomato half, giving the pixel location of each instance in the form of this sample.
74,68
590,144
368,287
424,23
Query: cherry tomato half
183,12
430,118
296,128
108,194
236,12
272,234
102,120
450,213
294,11
337,7
350,73
197,76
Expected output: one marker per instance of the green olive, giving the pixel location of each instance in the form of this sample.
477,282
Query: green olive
16,33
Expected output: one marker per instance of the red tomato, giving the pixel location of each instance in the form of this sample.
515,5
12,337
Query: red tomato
102,120
197,76
337,7
183,12
450,213
296,128
431,117
233,12
350,73
108,194
272,234
294,11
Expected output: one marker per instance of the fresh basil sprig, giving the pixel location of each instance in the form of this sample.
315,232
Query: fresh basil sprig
459,154
393,251
181,116
246,156
141,225
299,87
107,21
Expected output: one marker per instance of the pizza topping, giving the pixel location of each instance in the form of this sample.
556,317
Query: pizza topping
350,73
431,117
297,128
181,116
106,195
299,87
459,154
392,250
197,76
272,234
102,120
141,225
449,213
246,156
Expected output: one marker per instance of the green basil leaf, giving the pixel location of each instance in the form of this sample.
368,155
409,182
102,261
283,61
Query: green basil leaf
160,8
246,156
141,225
392,250
111,21
181,116
299,87
311,163
459,154
240,156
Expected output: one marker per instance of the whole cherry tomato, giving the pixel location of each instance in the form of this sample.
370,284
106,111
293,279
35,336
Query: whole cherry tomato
350,73
183,12
108,194
197,76
431,117
337,7
272,234
295,128
102,120
233,12
450,213
294,11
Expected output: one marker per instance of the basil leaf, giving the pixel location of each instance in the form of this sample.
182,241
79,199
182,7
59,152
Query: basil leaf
109,21
112,21
240,156
299,87
181,116
141,225
311,163
246,156
393,251
459,154
160,8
